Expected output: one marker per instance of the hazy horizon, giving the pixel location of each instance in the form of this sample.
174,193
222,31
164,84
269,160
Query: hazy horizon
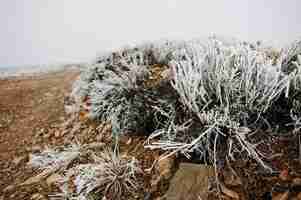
37,32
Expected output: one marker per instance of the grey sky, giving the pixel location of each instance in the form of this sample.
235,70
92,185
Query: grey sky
49,31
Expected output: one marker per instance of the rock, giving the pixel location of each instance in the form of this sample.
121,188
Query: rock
231,179
228,192
64,132
99,137
95,145
190,182
165,167
52,179
164,170
284,175
38,178
20,159
123,139
299,196
57,134
47,135
154,183
282,196
12,196
129,141
8,188
36,148
37,196
147,196
296,182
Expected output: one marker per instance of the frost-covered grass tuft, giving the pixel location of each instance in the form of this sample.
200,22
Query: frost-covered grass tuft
54,158
102,174
108,176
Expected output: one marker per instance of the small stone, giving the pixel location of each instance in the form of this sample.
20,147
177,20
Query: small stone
96,145
299,196
282,196
19,160
190,182
154,183
38,178
57,134
36,148
8,188
231,179
64,132
165,167
37,196
229,193
129,141
147,196
12,196
99,137
52,179
284,175
46,136
123,139
296,182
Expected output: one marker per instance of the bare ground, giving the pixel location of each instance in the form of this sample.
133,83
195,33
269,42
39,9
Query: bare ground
29,108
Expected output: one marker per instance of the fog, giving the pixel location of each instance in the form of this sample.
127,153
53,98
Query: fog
62,31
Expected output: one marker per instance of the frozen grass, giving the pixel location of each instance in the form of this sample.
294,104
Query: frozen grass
103,174
121,98
55,158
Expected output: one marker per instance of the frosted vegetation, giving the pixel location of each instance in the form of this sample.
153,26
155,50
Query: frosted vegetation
204,98
88,172
214,90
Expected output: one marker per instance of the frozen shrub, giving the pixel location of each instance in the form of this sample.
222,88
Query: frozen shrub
121,98
226,88
217,94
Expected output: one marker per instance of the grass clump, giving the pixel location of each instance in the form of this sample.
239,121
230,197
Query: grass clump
90,174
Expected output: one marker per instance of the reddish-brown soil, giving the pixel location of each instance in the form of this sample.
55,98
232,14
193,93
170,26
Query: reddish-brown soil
31,113
28,107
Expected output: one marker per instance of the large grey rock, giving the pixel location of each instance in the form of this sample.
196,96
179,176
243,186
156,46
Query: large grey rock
190,182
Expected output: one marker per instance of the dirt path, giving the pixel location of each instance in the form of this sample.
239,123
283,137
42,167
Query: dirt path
29,107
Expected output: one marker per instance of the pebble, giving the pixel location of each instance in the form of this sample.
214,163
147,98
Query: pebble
52,179
37,196
8,188
165,167
296,182
35,148
57,134
299,196
19,160
229,193
282,196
